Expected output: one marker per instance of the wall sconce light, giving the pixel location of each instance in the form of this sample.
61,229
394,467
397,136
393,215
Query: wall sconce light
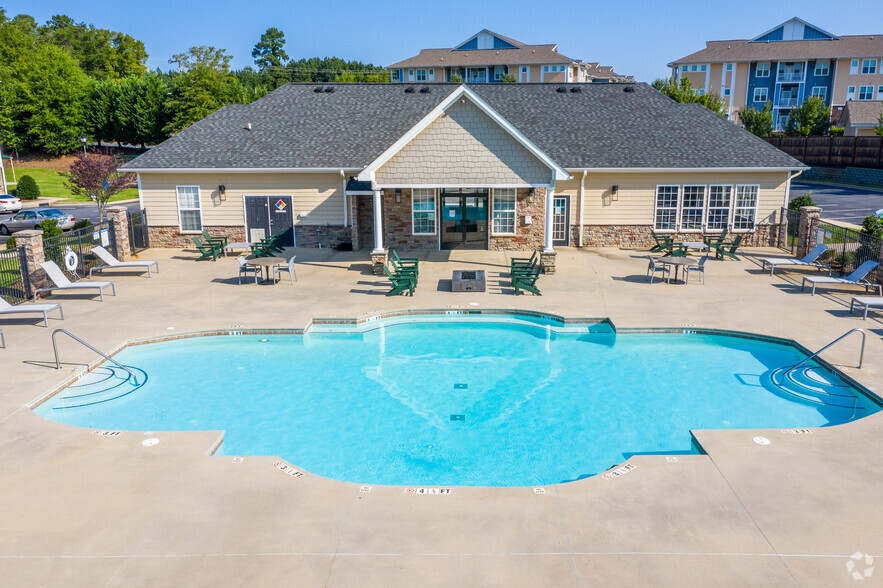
222,193
398,196
531,192
614,193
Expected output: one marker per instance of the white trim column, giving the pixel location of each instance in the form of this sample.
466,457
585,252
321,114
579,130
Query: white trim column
550,197
378,223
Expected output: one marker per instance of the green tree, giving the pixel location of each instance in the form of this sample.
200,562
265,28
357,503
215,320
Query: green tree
101,53
810,119
873,225
101,101
802,200
27,188
96,176
878,128
757,122
682,90
456,78
202,57
508,78
329,69
270,57
139,115
197,94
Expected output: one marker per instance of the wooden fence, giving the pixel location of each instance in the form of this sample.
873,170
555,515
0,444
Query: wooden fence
833,151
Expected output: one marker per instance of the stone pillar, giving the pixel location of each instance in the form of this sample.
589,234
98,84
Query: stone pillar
547,260
32,242
354,224
806,235
118,219
378,261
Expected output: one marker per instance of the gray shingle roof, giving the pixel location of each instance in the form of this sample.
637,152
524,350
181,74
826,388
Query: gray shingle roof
862,112
742,50
601,126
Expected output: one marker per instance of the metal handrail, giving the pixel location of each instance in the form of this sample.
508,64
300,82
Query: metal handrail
102,354
861,356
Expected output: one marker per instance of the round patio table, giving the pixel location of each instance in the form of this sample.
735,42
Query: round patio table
678,262
265,262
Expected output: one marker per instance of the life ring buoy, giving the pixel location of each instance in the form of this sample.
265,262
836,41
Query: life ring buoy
70,261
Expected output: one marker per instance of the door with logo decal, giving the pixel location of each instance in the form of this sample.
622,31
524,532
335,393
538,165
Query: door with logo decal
269,215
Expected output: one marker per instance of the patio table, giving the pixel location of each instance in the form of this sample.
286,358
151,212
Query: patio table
266,263
678,262
699,245
237,245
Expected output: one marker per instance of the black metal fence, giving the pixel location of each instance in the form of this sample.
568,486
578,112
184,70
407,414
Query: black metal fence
80,242
139,239
789,233
849,248
15,286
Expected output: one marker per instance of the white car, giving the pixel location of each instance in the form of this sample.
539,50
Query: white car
9,203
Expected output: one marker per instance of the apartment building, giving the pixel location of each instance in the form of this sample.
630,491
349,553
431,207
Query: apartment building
787,64
486,57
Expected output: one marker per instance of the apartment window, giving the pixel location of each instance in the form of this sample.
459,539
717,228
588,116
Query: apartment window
666,208
189,213
718,207
694,68
745,210
498,73
822,68
685,68
761,94
850,93
762,70
880,93
431,75
545,69
421,75
423,211
869,66
523,69
504,211
395,75
410,75
853,67
866,92
692,207
727,91
729,67
820,92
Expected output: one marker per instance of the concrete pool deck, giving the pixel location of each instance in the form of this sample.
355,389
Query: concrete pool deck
81,509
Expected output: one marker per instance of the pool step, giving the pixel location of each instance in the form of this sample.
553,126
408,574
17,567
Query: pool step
812,385
103,384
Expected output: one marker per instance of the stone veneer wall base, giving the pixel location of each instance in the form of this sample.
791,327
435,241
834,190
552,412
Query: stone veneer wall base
641,236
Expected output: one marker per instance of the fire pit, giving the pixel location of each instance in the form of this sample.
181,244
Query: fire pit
468,281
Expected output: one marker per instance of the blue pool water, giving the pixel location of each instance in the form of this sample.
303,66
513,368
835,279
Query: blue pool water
454,403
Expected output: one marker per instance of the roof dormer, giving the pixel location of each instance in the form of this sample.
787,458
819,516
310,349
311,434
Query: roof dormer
795,29
486,39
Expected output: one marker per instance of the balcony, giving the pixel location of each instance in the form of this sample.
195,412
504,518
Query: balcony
786,102
790,76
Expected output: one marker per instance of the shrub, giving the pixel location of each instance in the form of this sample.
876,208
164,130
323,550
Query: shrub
836,131
50,228
82,224
27,188
802,200
508,78
10,243
873,225
456,79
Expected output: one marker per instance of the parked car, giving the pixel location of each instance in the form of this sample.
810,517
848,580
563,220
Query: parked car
9,203
31,219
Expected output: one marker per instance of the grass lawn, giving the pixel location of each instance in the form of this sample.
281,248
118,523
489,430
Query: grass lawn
52,185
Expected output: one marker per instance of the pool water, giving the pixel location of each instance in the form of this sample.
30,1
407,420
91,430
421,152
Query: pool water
470,404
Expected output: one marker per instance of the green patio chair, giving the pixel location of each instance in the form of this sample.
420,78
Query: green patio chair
404,262
274,242
220,241
261,249
401,283
713,241
725,250
663,243
523,262
527,282
399,269
207,249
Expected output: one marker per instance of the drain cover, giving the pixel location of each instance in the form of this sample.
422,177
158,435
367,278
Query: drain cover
461,386
458,417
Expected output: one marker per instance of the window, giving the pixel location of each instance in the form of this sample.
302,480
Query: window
692,208
853,67
666,208
880,93
423,211
820,92
395,75
729,67
703,68
761,94
189,215
694,68
504,211
762,70
410,75
866,92
545,69
523,69
822,68
498,73
727,91
431,75
684,68
745,210
421,75
850,93
718,207
869,66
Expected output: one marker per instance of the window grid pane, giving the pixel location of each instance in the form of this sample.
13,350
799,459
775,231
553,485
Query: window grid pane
692,208
718,207
746,208
504,210
188,208
666,208
423,211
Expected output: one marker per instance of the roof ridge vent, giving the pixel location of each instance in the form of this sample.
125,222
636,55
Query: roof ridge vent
561,89
425,90
317,89
329,89
629,89
409,90
576,90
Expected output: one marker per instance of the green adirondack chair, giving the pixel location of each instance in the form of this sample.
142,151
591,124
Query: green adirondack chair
219,241
401,269
725,250
527,282
261,249
663,243
713,241
401,283
400,263
207,249
520,262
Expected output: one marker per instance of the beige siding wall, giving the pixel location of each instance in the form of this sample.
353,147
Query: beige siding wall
740,86
535,73
845,79
697,78
635,204
320,196
715,82
558,77
463,146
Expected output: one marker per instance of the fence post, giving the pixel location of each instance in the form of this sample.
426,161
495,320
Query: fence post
31,242
806,236
118,221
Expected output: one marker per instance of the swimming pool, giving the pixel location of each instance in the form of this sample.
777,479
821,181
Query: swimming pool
466,400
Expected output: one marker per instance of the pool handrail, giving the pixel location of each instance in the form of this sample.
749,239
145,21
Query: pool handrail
101,353
861,356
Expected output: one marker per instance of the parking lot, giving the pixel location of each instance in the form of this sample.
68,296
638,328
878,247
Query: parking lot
79,211
840,202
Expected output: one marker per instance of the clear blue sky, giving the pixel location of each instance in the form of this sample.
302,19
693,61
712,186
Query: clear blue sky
637,37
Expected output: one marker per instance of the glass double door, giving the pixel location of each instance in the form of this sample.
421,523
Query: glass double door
464,223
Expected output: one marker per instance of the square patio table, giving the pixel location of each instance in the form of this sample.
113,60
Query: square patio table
700,245
237,245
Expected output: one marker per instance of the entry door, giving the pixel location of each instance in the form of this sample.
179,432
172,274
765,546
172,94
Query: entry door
524,74
464,222
269,215
561,220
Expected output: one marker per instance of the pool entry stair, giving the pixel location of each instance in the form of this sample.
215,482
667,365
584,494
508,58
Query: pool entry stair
103,384
815,384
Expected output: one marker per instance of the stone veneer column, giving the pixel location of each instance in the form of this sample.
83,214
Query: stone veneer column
547,257
32,241
118,219
354,224
806,234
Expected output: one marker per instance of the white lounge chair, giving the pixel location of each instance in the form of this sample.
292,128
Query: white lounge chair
867,302
856,278
62,283
6,308
109,262
810,259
